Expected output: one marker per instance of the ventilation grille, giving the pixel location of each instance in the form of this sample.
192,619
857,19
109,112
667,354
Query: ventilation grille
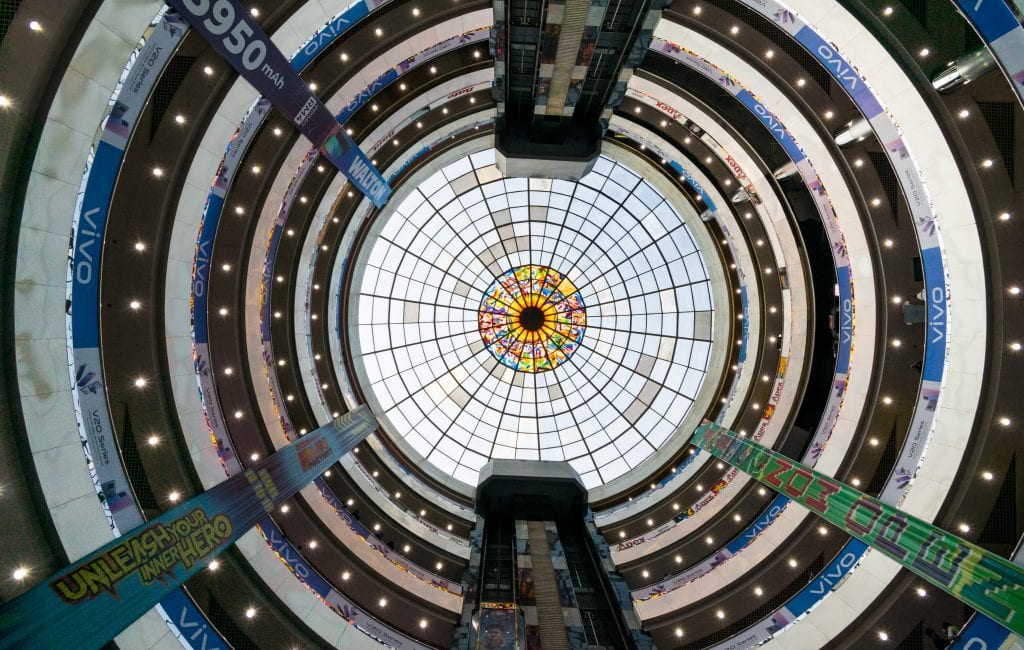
134,468
919,10
999,117
885,465
166,88
7,10
971,40
914,640
228,628
1001,527
888,179
764,610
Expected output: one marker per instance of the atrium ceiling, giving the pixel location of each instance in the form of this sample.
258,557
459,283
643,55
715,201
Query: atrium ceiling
788,230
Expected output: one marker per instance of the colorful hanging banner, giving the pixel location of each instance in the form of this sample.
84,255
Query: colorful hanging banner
241,42
103,593
988,583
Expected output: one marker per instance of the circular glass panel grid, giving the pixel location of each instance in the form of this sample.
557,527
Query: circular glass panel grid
532,318
423,364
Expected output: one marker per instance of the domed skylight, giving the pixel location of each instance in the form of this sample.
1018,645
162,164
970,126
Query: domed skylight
532,318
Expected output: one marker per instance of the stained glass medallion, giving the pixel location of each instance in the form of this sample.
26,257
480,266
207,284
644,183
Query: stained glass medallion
532,318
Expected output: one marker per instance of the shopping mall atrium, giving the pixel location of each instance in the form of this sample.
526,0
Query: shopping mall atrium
558,262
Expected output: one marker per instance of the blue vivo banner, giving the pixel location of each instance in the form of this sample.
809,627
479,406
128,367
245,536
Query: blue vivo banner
236,37
103,593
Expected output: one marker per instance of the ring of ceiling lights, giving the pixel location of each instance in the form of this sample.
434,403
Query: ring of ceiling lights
688,595
30,426
435,384
923,137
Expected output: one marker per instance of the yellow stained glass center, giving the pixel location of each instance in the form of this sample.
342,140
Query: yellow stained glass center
532,318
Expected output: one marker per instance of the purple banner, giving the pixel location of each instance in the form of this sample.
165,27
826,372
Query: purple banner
240,41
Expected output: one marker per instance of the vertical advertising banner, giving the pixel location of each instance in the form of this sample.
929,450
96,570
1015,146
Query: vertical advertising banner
982,580
235,36
103,593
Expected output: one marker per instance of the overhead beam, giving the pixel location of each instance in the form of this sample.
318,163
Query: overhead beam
990,584
95,598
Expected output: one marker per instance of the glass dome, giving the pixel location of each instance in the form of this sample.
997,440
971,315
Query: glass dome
536,319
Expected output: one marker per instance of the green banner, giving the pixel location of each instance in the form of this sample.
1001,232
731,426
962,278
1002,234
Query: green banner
90,602
983,580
